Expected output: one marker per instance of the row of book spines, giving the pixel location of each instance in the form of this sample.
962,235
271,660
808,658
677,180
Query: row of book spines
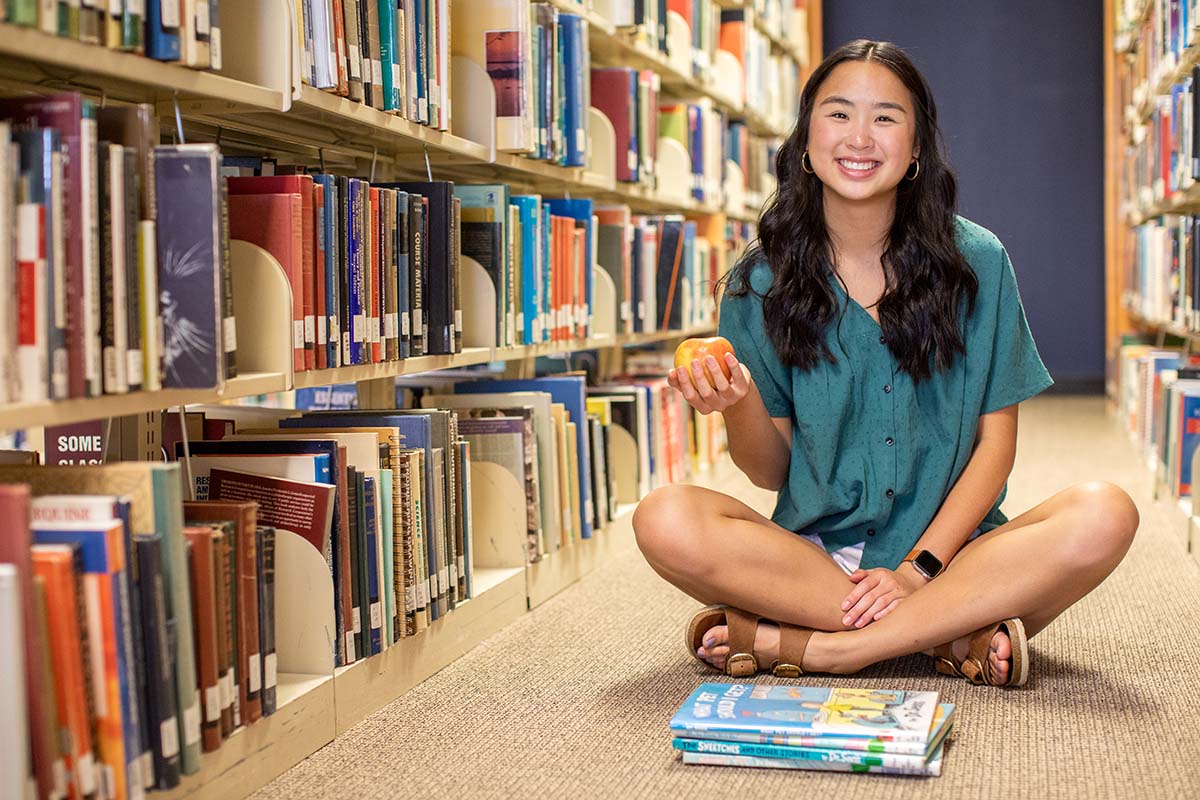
1169,29
390,56
137,714
1164,271
95,271
185,31
1159,391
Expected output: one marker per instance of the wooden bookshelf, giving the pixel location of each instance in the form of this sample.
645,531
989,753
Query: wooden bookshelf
319,126
31,58
303,723
63,412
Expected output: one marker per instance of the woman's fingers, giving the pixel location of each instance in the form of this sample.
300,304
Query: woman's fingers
688,390
890,607
872,613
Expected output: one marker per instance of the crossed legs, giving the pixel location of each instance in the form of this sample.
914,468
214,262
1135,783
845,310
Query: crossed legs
718,550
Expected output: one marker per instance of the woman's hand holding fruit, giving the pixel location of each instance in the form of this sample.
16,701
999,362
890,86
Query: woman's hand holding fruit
708,374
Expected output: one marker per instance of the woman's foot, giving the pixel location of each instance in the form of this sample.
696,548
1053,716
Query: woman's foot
715,648
999,655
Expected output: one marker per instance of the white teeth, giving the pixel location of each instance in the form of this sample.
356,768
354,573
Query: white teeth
862,165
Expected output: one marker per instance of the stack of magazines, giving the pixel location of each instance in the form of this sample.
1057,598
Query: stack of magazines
803,727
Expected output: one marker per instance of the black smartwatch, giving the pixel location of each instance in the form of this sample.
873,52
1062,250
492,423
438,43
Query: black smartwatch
925,563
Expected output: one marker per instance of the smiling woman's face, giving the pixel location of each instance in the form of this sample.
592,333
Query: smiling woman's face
862,132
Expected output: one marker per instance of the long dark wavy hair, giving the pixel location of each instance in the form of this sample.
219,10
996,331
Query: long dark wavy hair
926,273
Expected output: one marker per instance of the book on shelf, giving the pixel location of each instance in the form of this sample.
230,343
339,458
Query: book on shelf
803,727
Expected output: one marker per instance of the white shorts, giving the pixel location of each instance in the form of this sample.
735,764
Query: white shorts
849,557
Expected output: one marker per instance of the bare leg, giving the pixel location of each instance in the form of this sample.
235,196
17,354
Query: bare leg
719,550
1034,567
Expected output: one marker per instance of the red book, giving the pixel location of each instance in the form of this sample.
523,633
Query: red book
303,186
320,309
613,93
274,223
15,543
204,629
245,558
279,502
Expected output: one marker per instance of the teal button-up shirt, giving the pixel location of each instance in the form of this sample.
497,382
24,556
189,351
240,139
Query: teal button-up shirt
873,455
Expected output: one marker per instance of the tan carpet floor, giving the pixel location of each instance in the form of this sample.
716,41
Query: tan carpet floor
573,700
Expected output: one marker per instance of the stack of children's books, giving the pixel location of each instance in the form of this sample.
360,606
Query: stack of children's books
803,727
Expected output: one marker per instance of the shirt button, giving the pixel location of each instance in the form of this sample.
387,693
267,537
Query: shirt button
889,441
890,493
887,389
870,531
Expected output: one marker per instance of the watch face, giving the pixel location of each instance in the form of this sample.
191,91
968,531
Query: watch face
928,563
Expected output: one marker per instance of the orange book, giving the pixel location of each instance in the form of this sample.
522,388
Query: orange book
204,630
103,556
55,565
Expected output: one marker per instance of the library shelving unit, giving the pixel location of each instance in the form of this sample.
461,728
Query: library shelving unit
254,105
1151,49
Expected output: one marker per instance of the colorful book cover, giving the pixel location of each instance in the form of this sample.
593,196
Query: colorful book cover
793,710
932,768
118,734
871,752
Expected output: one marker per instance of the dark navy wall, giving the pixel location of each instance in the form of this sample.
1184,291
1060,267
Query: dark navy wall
1019,89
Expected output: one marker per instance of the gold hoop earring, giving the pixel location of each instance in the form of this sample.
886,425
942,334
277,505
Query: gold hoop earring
804,157
913,177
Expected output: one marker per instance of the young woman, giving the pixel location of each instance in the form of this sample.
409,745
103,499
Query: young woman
881,353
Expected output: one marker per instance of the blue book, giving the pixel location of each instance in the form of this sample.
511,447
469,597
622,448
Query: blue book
638,301
668,283
794,710
571,28
387,54
421,35
528,211
162,41
695,117
189,280
580,209
356,335
38,147
571,391
160,679
373,619
547,312
1189,436
693,273
103,556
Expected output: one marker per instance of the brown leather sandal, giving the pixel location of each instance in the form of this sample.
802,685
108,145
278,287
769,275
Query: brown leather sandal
793,641
977,667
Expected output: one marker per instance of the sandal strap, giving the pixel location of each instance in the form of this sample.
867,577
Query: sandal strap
793,642
741,661
976,666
